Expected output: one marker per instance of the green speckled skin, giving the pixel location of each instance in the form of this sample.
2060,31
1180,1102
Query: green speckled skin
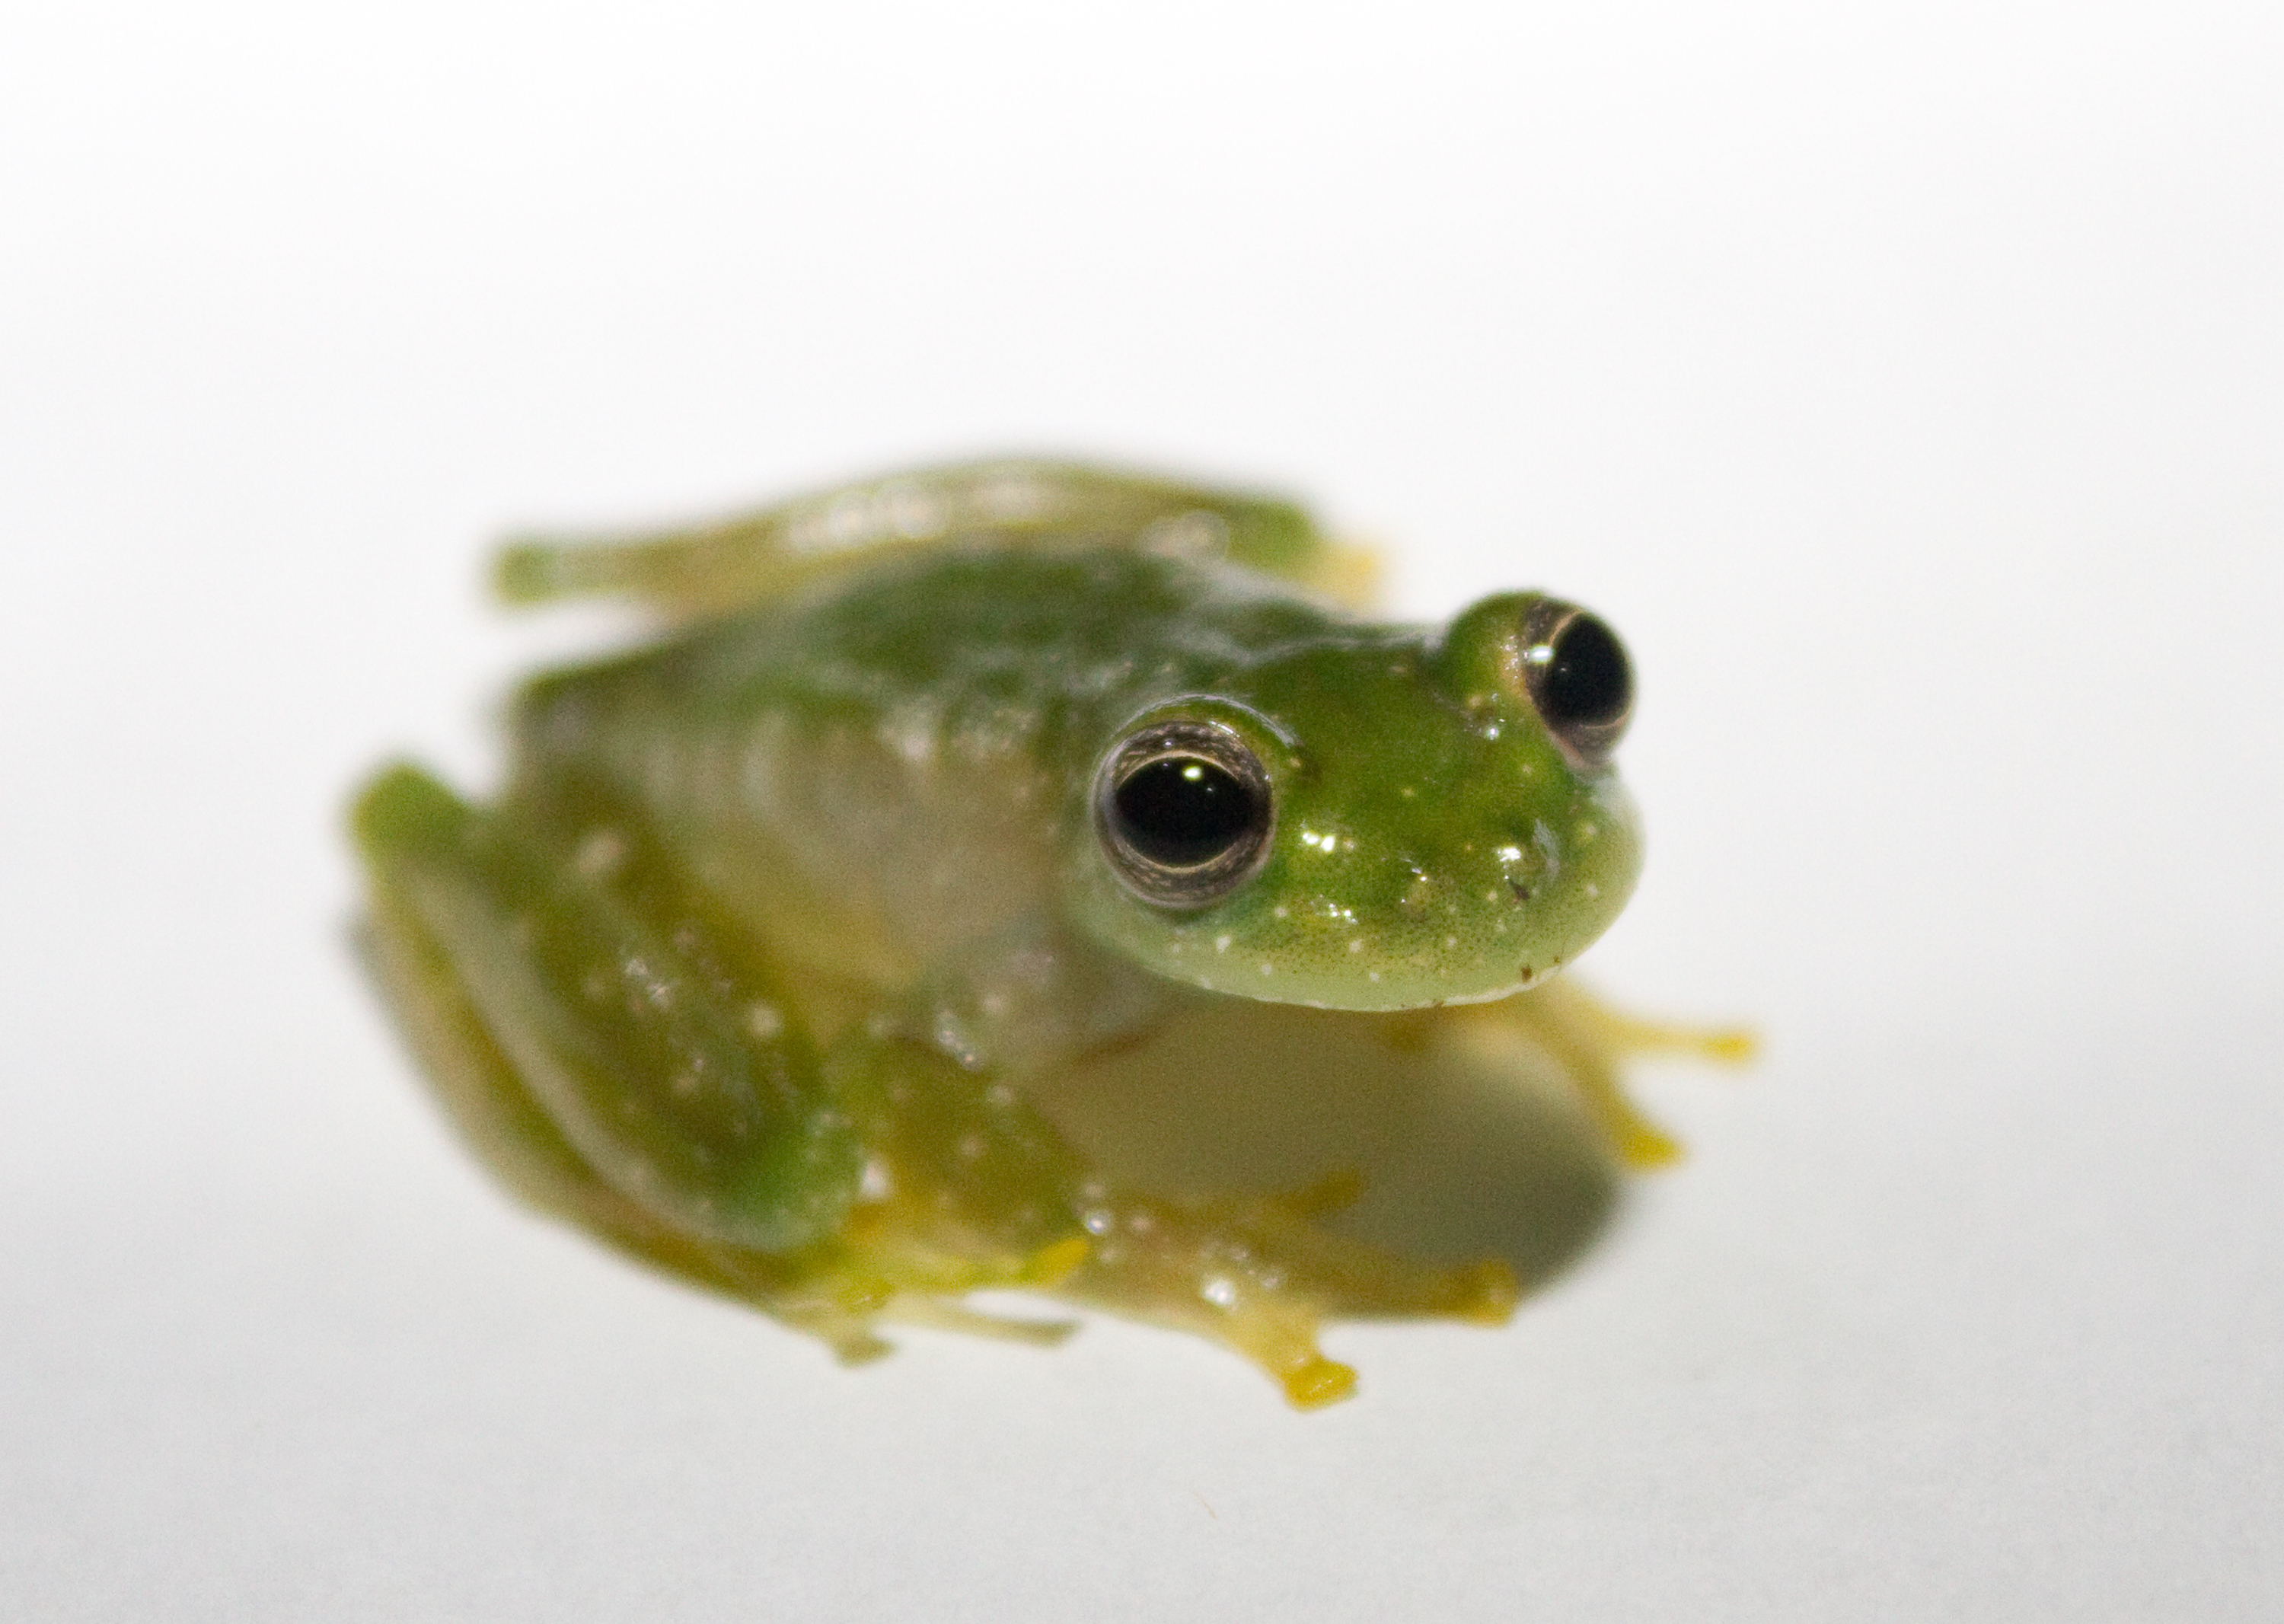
782,921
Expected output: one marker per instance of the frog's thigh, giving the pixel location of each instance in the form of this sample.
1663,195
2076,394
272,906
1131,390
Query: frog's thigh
487,1102
580,1048
719,566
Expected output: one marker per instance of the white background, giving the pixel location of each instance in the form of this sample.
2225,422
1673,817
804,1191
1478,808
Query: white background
1906,382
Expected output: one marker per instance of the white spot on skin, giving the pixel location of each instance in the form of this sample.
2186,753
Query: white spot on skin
910,511
599,854
1281,911
1372,975
1221,944
1220,1291
910,731
1195,535
764,1020
1407,791
1593,890
658,992
1267,968
1357,946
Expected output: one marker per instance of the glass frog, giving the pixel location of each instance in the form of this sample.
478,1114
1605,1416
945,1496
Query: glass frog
936,790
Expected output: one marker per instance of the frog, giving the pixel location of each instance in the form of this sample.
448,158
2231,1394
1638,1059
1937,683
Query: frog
923,793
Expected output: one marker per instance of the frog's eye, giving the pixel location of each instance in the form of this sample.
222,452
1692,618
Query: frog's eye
1183,812
1578,677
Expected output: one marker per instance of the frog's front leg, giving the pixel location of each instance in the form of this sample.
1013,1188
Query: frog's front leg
711,567
938,1083
1261,1275
972,1168
1588,1040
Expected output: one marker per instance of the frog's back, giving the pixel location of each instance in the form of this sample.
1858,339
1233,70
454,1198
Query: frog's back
880,766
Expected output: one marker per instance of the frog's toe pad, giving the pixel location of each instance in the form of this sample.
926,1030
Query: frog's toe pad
1734,1046
857,1347
1319,1382
1645,1147
1488,1294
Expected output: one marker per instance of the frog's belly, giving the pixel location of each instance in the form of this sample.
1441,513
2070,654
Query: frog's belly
861,863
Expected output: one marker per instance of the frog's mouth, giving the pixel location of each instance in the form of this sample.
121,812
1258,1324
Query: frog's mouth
1307,931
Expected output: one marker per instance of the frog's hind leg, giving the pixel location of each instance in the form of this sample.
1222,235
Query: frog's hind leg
975,1176
615,1068
614,1046
475,1084
710,567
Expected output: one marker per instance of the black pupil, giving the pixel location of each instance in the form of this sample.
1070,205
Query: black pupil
1588,681
1182,811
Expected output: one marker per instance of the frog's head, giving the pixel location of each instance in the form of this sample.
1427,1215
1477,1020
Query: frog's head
1376,823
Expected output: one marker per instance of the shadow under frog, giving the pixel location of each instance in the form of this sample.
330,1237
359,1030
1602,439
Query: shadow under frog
1459,1151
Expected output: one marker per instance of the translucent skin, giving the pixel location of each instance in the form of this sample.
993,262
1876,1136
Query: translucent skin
780,920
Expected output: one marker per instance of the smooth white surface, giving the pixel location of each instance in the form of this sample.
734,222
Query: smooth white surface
1906,384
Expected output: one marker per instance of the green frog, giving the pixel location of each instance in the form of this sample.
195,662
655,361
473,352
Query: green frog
935,791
